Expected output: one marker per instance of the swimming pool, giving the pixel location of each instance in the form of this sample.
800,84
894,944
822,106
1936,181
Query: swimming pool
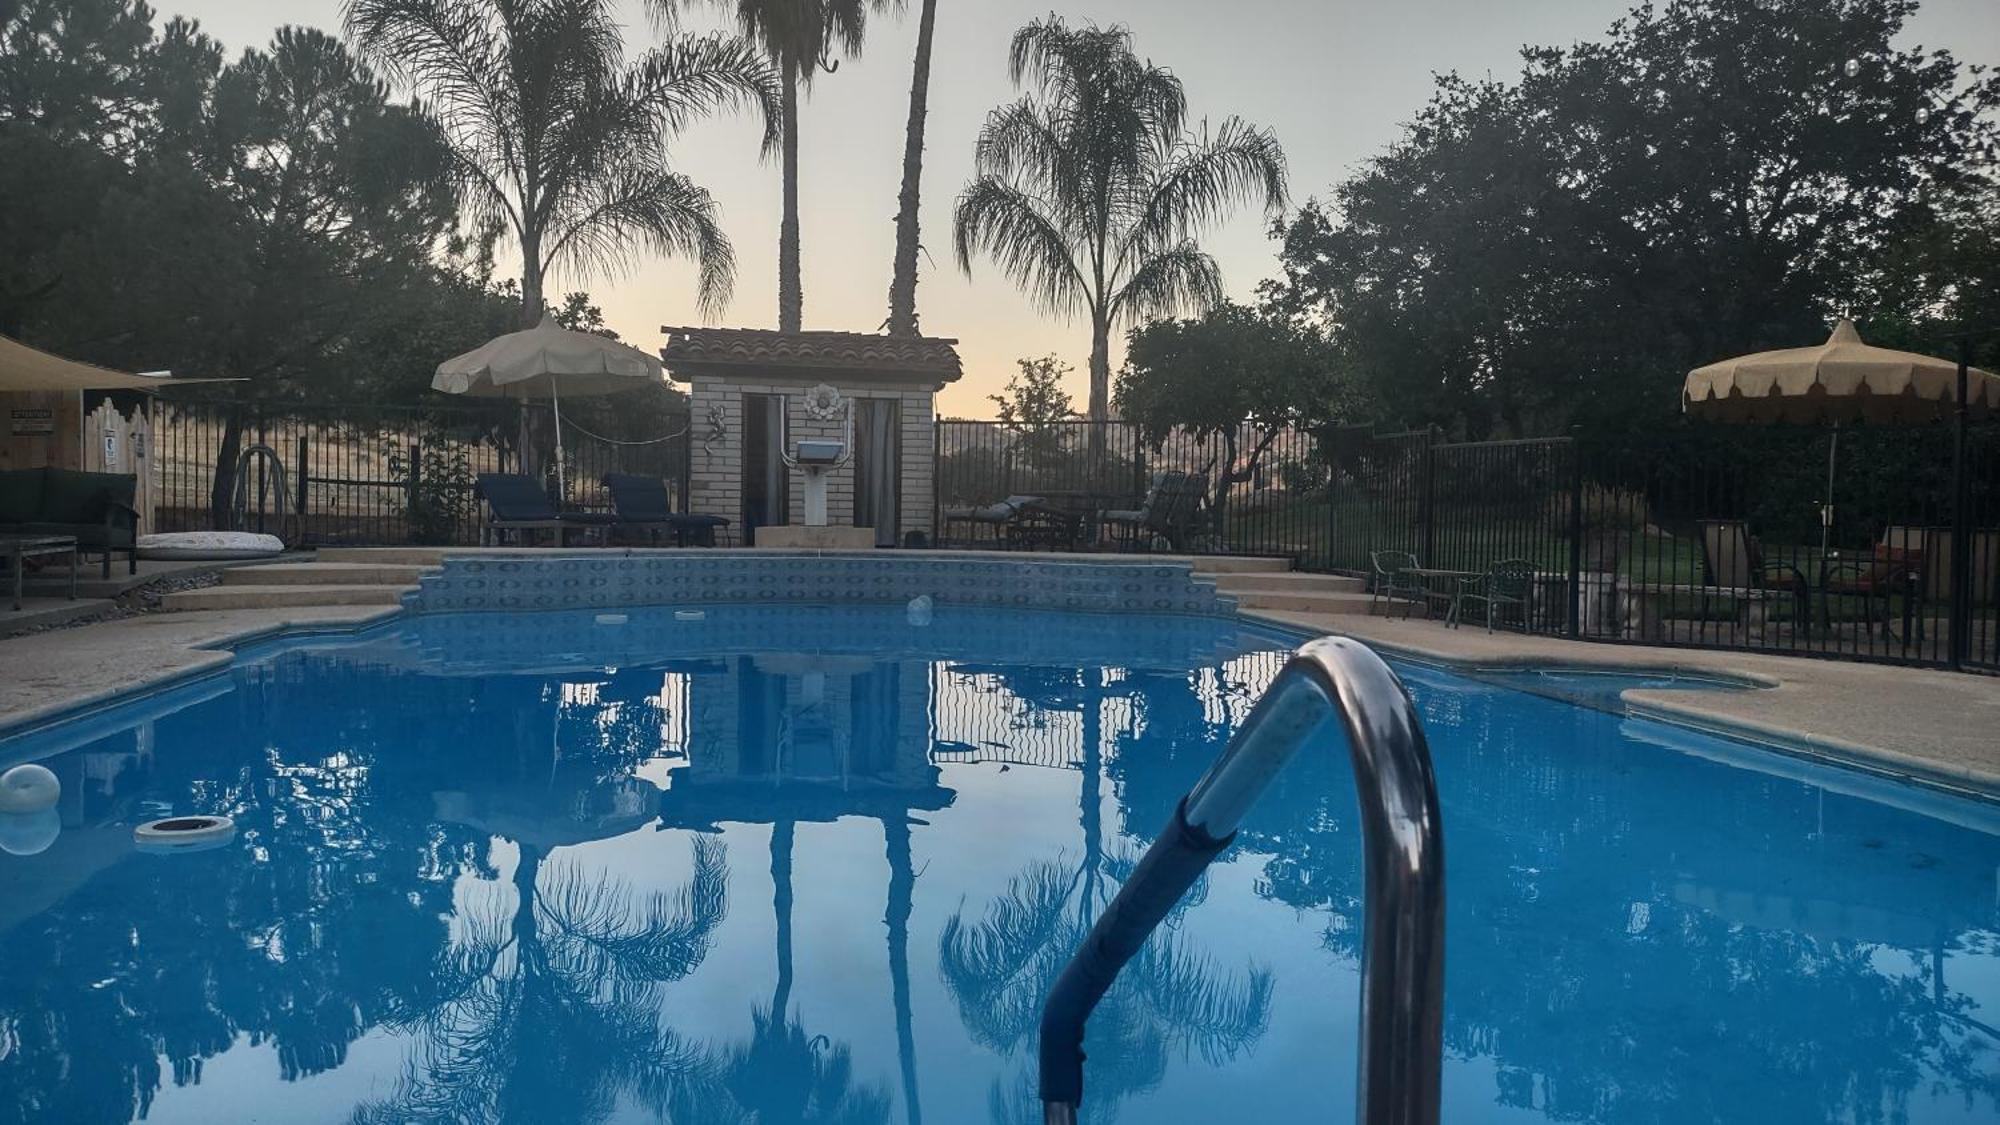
795,863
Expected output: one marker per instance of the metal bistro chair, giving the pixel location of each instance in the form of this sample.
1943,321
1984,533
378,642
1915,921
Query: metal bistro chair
1509,582
1393,581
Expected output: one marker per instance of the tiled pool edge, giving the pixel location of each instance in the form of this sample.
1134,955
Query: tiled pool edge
693,578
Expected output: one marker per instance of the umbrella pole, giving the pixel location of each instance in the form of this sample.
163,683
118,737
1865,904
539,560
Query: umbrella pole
562,484
1826,512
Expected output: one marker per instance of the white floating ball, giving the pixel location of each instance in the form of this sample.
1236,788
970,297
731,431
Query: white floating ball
29,833
919,610
29,788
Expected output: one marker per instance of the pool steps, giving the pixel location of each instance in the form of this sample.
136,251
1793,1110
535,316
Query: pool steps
372,581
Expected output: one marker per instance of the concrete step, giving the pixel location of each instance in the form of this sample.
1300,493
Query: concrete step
1239,564
386,556
1305,603
324,574
281,597
1288,582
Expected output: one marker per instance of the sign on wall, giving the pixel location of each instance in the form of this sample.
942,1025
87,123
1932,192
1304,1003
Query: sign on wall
32,420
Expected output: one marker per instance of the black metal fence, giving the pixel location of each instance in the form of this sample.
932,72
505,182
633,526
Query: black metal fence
1788,540
367,474
1784,539
1255,491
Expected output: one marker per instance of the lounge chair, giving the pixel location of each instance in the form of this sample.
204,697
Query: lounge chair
641,503
1168,513
1392,581
996,515
1734,560
1509,582
514,502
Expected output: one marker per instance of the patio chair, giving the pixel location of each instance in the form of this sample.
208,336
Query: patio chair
514,502
1392,581
641,504
996,515
1887,573
1172,502
1509,582
1733,559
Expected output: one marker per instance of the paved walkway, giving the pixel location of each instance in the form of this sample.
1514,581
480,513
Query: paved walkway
1939,726
43,674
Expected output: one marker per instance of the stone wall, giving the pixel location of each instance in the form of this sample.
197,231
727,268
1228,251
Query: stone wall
715,483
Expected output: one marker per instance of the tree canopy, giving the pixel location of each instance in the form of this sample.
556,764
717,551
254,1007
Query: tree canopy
1713,177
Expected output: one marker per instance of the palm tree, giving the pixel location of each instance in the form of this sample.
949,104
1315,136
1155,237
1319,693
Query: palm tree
560,142
553,1004
797,36
1090,191
903,281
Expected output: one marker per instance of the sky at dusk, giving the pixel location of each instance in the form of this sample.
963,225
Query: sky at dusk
1333,78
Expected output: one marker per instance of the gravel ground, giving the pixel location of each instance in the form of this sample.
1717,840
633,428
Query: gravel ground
131,603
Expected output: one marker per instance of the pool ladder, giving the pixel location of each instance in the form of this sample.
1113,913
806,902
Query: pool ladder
1402,950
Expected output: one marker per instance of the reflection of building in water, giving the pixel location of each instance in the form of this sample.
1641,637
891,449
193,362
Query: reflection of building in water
801,736
1026,716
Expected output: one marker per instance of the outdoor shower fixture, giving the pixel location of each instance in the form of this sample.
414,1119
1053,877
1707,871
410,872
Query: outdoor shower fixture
816,457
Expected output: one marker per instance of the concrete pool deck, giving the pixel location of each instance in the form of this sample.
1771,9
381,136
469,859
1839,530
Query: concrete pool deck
1933,726
1927,724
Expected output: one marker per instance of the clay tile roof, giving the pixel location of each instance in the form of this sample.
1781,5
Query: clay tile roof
703,350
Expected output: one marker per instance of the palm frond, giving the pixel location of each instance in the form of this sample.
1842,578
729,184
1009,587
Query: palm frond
663,210
1187,993
1201,181
1180,278
692,78
1019,144
1018,231
604,935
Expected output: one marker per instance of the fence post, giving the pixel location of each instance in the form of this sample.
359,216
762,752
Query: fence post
416,482
1427,513
1575,537
263,475
1961,522
303,474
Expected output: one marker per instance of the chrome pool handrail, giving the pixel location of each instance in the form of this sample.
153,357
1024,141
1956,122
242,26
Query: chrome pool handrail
1402,950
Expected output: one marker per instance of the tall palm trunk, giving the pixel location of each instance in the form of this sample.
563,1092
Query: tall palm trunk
903,283
1100,391
902,900
525,871
791,295
781,910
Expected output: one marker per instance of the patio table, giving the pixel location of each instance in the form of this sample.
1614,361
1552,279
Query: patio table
1432,578
19,548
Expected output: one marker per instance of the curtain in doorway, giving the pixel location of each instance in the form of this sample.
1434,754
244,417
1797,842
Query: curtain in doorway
767,498
878,467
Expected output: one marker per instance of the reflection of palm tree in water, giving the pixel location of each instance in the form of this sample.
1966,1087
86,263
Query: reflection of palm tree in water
1000,968
550,1011
784,1076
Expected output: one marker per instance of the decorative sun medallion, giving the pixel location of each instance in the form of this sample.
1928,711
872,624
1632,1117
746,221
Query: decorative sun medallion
822,402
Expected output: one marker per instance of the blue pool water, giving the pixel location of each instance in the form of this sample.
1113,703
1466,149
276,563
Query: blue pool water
798,865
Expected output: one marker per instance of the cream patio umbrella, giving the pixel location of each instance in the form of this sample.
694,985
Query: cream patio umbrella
549,361
1842,380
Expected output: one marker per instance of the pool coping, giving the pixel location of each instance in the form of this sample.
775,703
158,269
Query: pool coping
1689,708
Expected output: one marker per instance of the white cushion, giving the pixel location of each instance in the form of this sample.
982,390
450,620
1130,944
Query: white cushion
197,545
